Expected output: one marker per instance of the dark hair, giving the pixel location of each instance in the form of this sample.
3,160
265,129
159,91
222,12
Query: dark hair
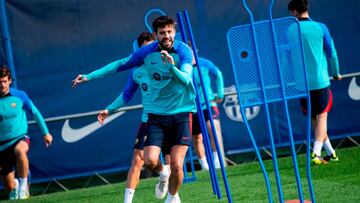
5,72
162,21
298,5
145,37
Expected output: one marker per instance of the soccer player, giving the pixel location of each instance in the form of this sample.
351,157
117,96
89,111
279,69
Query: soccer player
14,142
137,77
320,53
169,65
209,72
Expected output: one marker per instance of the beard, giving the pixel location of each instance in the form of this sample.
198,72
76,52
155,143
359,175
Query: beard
168,45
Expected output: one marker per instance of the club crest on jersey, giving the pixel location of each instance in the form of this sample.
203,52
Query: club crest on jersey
13,105
157,76
232,108
144,87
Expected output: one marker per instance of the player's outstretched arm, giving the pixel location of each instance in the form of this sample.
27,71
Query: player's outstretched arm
47,137
101,72
121,100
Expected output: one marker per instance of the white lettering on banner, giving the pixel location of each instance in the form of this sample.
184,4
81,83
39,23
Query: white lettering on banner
71,135
232,108
354,90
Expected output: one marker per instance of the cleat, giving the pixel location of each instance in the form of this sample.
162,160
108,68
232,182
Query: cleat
176,199
14,194
24,193
317,160
162,186
332,157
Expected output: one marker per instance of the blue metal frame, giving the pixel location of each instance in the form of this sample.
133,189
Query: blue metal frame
226,184
265,100
212,170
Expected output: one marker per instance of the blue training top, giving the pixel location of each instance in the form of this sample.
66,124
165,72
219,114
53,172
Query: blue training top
13,122
137,77
209,71
170,86
319,52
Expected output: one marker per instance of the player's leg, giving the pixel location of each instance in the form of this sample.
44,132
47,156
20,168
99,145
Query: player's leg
321,104
137,163
152,148
330,152
7,164
22,167
182,139
215,114
133,176
198,142
11,184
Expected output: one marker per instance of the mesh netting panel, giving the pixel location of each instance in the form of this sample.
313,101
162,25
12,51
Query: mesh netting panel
258,63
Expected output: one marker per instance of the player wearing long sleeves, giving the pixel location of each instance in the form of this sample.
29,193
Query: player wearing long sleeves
169,66
136,78
210,72
320,55
14,142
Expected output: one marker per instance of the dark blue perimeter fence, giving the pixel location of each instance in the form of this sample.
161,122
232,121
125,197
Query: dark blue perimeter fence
47,43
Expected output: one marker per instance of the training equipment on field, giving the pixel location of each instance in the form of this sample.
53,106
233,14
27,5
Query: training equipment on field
206,138
268,64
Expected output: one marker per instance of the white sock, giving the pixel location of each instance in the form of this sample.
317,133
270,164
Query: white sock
23,184
328,147
165,171
204,164
216,160
317,148
129,194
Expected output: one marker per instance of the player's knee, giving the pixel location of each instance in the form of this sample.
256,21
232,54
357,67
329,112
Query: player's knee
151,164
138,162
198,138
176,167
21,152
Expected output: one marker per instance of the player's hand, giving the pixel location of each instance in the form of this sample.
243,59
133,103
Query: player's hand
167,58
48,139
218,100
102,116
78,80
338,77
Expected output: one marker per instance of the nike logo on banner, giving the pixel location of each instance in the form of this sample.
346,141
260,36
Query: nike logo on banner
71,135
354,90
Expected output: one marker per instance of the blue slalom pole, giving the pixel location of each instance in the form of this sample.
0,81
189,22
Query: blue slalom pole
7,42
308,130
227,188
213,175
272,144
291,137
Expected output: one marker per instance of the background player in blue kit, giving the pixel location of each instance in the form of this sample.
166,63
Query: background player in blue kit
14,142
320,54
209,73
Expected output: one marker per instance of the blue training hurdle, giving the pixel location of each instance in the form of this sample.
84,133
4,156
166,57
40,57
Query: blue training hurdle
268,64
